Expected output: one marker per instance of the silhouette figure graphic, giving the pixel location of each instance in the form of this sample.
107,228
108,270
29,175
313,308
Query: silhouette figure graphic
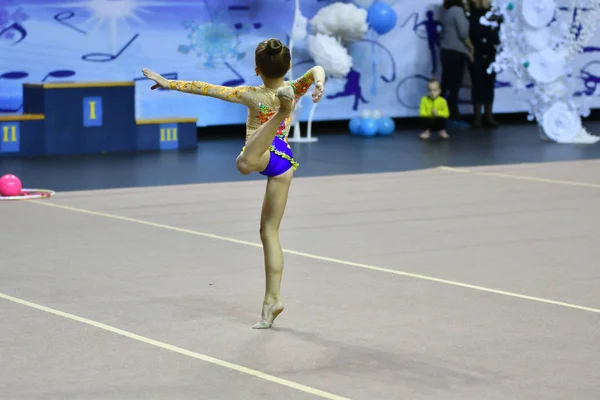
352,88
433,28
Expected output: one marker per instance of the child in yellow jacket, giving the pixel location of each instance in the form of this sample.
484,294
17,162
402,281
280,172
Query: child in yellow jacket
433,111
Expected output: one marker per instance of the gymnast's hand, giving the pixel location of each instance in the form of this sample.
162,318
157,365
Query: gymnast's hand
318,92
160,81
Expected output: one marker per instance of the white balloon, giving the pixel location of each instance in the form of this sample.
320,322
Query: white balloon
377,114
364,3
366,114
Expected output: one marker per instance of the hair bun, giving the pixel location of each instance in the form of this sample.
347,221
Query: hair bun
274,47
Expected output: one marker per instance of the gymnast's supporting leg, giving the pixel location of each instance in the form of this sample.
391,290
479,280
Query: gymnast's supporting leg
274,205
255,156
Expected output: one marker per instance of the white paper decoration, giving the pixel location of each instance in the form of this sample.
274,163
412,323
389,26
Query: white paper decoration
546,66
327,52
537,39
344,21
557,89
560,123
331,29
538,49
538,13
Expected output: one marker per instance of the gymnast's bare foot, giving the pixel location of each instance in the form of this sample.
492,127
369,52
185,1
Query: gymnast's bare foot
269,313
286,99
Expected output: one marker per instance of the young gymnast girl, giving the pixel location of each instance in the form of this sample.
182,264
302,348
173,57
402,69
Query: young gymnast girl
267,152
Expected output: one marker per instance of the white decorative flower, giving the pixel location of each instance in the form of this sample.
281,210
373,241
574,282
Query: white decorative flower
538,13
546,66
341,20
538,39
327,52
538,43
560,123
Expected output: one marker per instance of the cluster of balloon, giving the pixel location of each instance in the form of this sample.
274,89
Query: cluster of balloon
372,123
381,16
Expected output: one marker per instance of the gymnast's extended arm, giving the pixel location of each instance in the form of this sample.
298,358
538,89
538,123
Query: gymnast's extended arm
231,94
314,75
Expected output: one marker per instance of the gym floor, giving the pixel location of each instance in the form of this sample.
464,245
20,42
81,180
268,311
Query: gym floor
445,270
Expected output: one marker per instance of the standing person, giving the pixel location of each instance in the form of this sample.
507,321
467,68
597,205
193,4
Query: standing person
267,152
484,34
456,51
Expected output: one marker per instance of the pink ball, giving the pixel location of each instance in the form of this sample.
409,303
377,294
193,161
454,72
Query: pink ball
10,185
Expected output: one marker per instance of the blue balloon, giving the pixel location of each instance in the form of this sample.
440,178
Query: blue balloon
386,126
382,17
368,127
355,126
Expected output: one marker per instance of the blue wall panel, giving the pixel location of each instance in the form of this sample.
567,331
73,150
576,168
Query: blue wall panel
214,41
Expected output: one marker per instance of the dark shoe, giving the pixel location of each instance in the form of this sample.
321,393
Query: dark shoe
476,124
491,123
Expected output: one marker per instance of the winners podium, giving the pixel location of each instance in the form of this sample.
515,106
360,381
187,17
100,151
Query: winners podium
88,118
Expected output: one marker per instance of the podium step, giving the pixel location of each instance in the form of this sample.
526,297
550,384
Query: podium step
21,117
85,118
22,135
174,133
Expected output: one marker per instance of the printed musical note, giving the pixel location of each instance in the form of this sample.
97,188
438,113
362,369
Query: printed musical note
7,32
62,17
105,57
168,75
59,74
234,82
14,75
239,26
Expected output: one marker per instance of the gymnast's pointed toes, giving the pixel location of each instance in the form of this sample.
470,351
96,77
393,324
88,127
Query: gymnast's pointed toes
262,325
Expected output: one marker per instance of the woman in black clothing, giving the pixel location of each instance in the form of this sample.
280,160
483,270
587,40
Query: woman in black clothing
483,31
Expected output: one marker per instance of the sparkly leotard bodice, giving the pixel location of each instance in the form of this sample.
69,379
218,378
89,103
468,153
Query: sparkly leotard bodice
262,102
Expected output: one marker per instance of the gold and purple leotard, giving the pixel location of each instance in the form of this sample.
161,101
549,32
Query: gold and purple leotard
261,103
